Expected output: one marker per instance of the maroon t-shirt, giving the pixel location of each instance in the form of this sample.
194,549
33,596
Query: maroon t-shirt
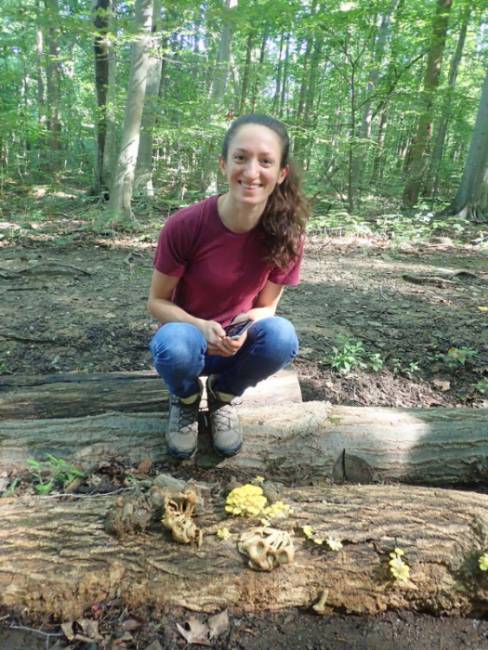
221,272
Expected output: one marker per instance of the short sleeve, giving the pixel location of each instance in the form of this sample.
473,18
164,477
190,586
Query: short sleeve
173,249
289,276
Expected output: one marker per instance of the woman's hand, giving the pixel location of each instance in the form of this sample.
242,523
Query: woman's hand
218,342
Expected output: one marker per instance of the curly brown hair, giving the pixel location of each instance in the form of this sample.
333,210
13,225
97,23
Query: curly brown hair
285,215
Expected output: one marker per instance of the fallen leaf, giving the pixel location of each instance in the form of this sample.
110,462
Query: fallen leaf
144,466
442,384
482,308
155,645
197,631
130,625
83,629
218,624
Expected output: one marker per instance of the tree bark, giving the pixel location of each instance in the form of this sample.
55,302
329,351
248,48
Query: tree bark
247,74
76,395
144,168
472,196
431,184
121,194
101,11
109,162
57,560
53,76
423,446
223,55
420,144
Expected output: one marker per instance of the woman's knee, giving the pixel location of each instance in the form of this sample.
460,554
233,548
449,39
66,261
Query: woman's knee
279,333
177,343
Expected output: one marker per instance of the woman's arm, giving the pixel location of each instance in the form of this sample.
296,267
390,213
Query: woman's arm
164,310
267,301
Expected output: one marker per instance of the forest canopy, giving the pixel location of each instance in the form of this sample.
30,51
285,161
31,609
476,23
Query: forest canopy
130,99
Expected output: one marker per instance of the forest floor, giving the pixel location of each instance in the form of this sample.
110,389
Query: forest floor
413,318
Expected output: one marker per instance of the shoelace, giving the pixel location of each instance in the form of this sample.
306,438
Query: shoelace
186,413
225,415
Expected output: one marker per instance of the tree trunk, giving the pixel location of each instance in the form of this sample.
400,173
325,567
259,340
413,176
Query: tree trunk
76,395
144,168
247,74
279,70
110,149
471,200
431,185
420,145
53,76
121,194
361,154
57,560
284,80
257,79
41,87
223,56
422,446
101,12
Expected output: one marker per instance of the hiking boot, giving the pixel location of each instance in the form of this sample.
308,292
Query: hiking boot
182,431
224,420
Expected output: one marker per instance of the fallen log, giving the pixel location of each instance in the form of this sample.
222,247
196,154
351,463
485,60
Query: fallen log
57,560
77,394
314,439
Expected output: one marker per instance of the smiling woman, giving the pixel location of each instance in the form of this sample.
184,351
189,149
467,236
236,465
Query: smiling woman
226,260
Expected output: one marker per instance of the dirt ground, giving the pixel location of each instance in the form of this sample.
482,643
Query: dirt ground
75,301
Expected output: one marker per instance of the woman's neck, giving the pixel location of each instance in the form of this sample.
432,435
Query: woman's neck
238,218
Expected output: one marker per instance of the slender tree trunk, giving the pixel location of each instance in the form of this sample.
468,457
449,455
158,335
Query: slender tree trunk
378,163
111,135
223,56
471,200
279,71
284,81
362,150
41,87
432,182
247,74
101,10
262,53
121,195
53,76
420,144
144,168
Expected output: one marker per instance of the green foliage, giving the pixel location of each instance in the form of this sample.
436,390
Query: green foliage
10,491
52,473
457,357
350,354
482,386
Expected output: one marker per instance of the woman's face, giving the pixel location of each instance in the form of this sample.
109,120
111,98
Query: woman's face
253,164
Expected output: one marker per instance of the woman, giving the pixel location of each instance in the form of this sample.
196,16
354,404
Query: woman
226,260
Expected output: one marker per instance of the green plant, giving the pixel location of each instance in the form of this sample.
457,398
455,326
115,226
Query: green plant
482,386
457,357
52,472
375,361
10,491
348,355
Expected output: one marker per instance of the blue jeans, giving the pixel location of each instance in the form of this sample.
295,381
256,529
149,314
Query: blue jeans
180,356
